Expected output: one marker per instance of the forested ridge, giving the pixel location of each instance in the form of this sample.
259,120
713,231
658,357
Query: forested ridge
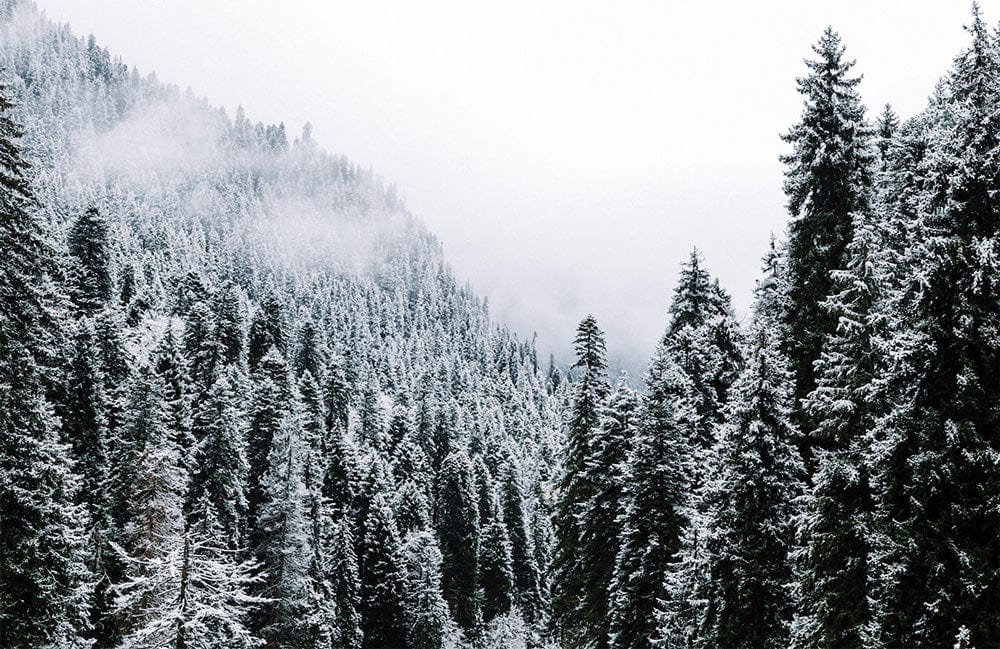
244,402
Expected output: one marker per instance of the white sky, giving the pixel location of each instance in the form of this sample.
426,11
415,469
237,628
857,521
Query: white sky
568,154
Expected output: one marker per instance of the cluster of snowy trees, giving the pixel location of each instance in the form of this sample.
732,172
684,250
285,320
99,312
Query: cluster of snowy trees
243,401
829,475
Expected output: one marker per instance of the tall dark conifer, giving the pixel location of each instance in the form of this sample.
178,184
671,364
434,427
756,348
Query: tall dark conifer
589,394
937,524
43,578
828,178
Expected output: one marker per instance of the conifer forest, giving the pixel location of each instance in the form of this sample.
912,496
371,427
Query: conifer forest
246,402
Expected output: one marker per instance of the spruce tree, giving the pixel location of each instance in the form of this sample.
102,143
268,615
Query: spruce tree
267,330
655,496
269,406
427,618
827,179
603,513
459,534
569,578
495,566
42,574
749,501
834,520
91,275
527,581
219,461
383,580
346,586
282,542
937,528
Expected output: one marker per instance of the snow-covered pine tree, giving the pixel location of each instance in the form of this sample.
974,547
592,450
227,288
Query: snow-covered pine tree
267,330
704,340
227,306
656,483
282,541
828,178
153,533
345,585
382,595
219,460
90,273
269,407
831,557
426,611
496,576
527,584
459,535
606,473
749,497
43,578
569,580
937,541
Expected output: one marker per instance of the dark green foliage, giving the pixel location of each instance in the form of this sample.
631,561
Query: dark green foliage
828,178
459,535
267,330
91,272
937,524
589,393
383,580
42,574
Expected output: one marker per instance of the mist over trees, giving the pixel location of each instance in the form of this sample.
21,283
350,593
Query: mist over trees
245,403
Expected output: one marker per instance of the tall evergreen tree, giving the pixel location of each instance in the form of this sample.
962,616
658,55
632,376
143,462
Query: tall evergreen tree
655,497
604,512
282,542
346,586
828,178
91,274
220,466
589,393
749,499
834,520
496,574
459,534
383,580
527,581
267,330
937,541
427,618
269,407
42,573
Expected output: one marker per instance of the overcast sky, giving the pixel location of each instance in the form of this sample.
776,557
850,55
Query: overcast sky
568,154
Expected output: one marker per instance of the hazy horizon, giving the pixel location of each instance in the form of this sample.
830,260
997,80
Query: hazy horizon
568,156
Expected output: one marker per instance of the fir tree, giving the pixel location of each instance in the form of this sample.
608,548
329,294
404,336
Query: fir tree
590,391
267,330
523,562
383,580
755,478
282,542
426,611
458,531
42,572
269,406
603,513
88,244
828,177
220,466
345,585
495,566
937,540
191,593
655,497
834,521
